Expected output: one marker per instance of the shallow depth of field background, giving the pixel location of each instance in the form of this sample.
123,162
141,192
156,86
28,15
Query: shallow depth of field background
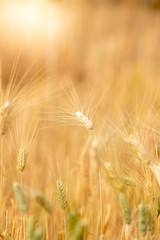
108,51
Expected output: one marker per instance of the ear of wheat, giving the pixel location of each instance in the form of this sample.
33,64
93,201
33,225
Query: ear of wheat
38,234
124,208
19,195
157,210
75,226
61,194
4,112
43,202
128,181
30,227
84,120
142,219
21,159
112,176
140,150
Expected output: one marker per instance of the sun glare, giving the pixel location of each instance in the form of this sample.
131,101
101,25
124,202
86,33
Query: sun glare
32,17
24,15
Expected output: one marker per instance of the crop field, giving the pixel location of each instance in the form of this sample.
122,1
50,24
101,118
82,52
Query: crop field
79,120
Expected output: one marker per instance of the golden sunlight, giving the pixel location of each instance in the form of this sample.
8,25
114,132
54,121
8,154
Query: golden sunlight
31,18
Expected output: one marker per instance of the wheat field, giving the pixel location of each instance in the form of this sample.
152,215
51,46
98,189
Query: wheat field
79,121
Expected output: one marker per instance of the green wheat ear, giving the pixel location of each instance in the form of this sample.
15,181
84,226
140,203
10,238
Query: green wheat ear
157,211
150,221
142,219
30,227
61,194
75,226
19,195
43,202
124,208
38,234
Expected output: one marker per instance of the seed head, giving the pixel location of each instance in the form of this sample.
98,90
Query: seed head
4,112
31,222
84,120
43,202
19,195
38,234
21,160
157,213
125,208
128,181
75,226
61,194
142,219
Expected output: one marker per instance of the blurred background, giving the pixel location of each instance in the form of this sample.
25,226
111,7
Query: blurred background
86,40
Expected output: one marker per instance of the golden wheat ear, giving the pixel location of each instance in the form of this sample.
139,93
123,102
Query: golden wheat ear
4,113
84,120
21,159
61,196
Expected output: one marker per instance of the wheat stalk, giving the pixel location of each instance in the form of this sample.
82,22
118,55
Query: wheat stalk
106,221
150,221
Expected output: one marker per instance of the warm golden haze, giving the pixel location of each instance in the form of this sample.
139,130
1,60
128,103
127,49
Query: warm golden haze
79,120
